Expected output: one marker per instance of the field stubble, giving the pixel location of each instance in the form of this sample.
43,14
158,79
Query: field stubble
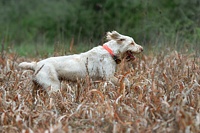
164,96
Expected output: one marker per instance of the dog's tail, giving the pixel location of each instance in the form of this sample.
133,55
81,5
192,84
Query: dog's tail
28,65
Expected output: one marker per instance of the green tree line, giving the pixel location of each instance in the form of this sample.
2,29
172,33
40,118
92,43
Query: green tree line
87,21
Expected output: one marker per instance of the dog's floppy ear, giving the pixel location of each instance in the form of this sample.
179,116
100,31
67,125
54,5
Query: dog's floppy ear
114,35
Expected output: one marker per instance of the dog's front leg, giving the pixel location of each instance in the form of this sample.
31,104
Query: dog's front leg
116,81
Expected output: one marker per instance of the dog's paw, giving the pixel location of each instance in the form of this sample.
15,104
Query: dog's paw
127,82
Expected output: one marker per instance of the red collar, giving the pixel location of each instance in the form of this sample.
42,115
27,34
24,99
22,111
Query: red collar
116,59
108,49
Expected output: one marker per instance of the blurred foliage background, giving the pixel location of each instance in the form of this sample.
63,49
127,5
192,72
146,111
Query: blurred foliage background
31,25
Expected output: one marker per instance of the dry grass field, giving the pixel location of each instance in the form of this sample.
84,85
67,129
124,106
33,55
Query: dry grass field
164,96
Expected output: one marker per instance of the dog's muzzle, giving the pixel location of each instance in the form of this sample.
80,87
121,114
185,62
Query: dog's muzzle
130,56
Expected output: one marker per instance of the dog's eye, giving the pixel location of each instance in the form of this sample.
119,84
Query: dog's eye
121,39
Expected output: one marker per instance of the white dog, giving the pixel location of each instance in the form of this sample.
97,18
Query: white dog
97,63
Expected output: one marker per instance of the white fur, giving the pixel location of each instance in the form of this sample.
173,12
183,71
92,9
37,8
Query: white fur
97,63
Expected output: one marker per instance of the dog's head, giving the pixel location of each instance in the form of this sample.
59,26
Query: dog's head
124,45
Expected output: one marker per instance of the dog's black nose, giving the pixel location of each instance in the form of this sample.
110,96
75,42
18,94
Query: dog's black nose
141,49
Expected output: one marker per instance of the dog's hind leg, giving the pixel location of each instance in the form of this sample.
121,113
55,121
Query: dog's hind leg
47,79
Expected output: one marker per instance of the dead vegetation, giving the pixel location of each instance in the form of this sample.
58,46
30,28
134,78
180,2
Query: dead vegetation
164,96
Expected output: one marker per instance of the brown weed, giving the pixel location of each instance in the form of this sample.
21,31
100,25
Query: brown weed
164,96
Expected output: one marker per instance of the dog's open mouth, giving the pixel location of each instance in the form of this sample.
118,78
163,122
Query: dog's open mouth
130,56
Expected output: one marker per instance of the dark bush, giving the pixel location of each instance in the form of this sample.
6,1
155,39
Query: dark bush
87,21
